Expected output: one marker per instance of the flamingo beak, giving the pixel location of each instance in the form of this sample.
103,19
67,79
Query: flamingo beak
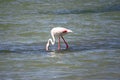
69,31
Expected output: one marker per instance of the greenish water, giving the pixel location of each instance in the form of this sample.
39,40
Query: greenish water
94,52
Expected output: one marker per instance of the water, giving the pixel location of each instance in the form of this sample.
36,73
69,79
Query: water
94,44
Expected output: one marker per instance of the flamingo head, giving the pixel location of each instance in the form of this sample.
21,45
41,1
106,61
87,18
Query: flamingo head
66,31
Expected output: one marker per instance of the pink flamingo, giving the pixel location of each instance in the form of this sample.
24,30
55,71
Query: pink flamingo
58,32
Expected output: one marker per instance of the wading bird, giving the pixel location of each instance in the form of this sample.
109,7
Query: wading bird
58,32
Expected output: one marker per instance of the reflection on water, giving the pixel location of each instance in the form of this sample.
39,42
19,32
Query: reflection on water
94,46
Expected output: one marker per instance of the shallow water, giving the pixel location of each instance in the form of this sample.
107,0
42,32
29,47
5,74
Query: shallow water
94,45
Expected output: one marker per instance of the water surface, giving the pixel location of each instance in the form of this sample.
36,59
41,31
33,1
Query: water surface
94,44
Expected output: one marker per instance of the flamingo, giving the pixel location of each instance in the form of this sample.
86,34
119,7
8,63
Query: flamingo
58,32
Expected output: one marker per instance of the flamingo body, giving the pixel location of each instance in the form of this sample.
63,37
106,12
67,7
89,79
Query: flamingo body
58,32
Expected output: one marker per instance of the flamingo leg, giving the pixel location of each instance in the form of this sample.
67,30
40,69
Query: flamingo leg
58,43
65,42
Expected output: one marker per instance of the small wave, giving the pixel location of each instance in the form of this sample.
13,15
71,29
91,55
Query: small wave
96,44
21,48
74,46
80,11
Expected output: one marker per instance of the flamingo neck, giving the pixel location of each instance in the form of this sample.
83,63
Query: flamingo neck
52,41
